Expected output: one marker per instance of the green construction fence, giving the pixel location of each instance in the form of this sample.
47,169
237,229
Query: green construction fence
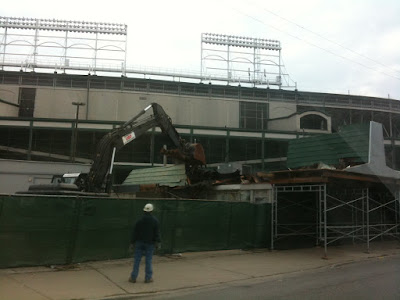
47,230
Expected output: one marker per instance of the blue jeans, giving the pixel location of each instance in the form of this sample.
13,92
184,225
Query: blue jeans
147,250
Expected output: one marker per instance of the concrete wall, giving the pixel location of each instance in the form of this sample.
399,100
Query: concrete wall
9,93
284,124
122,105
184,110
281,109
8,110
56,103
18,175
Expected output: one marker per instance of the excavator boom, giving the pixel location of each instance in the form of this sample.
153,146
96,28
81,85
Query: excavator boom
190,154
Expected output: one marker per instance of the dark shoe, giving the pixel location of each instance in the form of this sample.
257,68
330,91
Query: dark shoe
148,280
131,280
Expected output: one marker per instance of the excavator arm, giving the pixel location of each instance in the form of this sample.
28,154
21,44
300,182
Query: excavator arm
191,154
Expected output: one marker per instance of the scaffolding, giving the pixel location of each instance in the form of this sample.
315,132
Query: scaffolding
333,212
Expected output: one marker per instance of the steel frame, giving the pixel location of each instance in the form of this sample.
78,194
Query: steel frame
241,59
28,43
359,214
292,229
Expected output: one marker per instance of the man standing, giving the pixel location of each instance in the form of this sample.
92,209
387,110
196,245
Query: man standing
145,236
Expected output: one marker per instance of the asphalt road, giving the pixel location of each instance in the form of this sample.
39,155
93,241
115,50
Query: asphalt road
371,279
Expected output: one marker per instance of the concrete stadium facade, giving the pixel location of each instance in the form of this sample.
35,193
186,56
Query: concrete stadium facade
251,126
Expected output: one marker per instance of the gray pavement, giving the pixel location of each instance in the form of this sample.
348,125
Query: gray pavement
109,279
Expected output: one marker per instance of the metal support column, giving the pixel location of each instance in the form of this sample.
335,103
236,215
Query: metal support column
4,48
397,210
263,150
152,146
227,146
273,209
30,140
66,62
325,225
367,213
95,52
35,51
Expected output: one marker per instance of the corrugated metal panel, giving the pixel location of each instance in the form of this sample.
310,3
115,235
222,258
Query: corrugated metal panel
351,142
166,176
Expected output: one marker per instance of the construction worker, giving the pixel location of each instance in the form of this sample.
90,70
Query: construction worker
145,237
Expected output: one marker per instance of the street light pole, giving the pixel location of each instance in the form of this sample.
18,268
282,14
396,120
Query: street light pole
75,132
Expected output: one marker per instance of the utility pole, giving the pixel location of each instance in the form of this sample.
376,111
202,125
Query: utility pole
75,132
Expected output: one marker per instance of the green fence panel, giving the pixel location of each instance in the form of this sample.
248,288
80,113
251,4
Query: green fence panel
35,230
41,230
262,230
165,211
250,226
201,225
241,229
103,229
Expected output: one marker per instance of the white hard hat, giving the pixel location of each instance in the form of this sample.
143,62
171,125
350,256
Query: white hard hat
148,207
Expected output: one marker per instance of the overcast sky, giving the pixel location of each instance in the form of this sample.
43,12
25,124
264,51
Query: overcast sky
334,46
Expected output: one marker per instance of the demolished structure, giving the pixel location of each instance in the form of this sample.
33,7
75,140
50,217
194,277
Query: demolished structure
338,189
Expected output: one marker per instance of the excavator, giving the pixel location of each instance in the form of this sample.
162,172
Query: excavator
98,180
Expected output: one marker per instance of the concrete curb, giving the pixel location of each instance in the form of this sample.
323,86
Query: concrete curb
183,273
252,279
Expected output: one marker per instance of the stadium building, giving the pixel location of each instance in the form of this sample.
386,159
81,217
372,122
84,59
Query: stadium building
58,112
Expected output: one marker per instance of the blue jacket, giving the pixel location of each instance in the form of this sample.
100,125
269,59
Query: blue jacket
146,230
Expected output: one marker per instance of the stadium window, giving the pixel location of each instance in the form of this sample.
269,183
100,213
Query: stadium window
253,115
313,121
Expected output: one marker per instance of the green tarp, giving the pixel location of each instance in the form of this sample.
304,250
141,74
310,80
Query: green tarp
44,230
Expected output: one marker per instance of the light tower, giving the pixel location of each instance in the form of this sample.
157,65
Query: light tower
241,59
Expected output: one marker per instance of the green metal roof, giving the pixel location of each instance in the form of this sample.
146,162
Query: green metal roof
351,142
171,176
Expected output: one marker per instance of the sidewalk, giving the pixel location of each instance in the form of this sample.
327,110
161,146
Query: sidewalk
109,279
